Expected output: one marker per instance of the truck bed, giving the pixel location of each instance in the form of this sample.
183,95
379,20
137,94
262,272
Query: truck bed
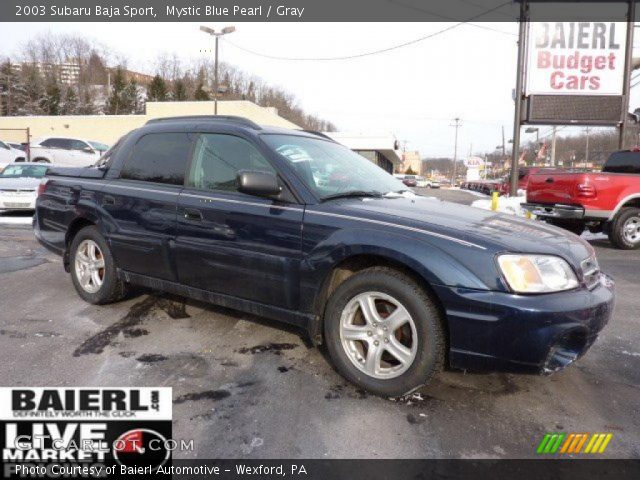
77,172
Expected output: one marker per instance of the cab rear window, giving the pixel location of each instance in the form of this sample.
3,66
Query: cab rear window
623,162
159,158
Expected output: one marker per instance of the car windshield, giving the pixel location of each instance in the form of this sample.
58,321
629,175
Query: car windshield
17,171
331,169
101,147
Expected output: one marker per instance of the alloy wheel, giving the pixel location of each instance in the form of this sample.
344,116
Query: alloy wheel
378,335
631,230
89,266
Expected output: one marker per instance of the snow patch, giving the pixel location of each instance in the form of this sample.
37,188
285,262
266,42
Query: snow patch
633,354
510,205
12,220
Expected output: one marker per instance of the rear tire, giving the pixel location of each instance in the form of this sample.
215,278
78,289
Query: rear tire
397,344
93,270
624,231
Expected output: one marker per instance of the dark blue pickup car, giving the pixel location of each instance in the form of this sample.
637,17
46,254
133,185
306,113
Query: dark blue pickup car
293,226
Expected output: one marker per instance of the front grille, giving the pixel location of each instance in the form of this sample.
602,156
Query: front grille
590,271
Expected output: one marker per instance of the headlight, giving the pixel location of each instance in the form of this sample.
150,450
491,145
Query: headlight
537,273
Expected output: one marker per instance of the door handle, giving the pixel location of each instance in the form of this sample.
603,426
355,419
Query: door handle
549,180
108,200
191,214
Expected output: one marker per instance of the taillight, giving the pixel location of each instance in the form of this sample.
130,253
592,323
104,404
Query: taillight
42,187
586,190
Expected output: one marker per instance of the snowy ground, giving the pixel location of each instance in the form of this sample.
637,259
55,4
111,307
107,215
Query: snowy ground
16,218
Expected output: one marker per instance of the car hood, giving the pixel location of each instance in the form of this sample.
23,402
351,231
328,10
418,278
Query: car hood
22,183
490,230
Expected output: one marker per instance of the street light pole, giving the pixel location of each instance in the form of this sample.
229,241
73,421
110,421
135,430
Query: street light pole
215,80
217,36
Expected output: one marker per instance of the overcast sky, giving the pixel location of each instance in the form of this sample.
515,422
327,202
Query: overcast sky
414,91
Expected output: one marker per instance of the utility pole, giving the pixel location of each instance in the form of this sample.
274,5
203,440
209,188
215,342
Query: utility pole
457,125
586,148
517,118
628,59
216,85
553,147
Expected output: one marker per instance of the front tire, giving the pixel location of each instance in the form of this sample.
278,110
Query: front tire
624,232
383,332
93,269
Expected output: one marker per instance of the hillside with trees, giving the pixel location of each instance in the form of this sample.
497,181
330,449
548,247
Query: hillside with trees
69,75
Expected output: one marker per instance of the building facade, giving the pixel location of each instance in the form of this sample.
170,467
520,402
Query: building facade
109,128
381,149
411,162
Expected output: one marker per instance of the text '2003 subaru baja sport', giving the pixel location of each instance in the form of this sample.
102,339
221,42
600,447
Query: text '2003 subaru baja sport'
293,226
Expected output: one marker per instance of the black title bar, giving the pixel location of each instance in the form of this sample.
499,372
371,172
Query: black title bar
303,11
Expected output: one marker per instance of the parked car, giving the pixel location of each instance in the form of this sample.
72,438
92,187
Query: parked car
524,174
66,152
426,182
8,154
607,201
395,284
19,184
481,186
408,180
17,146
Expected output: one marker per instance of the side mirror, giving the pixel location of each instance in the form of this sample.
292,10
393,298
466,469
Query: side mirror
88,150
260,184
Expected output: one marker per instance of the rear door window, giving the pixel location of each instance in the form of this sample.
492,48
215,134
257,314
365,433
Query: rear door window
623,162
53,143
159,158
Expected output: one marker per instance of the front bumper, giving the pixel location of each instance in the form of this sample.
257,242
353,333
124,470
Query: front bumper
17,201
569,212
524,333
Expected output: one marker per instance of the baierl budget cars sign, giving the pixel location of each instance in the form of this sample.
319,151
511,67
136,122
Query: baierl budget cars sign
576,58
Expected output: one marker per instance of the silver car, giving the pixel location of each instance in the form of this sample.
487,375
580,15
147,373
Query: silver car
19,185
9,154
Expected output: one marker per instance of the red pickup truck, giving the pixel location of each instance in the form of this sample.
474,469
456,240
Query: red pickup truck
607,201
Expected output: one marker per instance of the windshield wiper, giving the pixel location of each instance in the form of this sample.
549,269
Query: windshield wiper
353,193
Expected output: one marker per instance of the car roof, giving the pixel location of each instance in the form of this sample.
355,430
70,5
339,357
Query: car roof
42,139
241,123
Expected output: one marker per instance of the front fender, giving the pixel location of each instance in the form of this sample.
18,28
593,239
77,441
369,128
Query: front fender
428,260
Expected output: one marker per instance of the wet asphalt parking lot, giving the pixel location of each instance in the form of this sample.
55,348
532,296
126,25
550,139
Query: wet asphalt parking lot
244,387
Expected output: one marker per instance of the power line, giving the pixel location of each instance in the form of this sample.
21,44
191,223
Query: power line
444,17
365,54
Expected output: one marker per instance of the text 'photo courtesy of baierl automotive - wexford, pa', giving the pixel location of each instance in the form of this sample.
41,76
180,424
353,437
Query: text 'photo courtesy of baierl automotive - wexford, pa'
358,240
